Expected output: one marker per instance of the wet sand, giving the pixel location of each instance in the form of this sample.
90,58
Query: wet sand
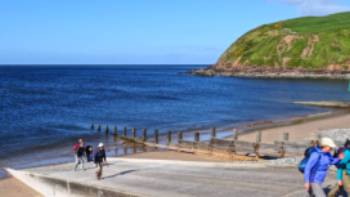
171,155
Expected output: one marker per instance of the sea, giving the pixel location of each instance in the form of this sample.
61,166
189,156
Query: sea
45,108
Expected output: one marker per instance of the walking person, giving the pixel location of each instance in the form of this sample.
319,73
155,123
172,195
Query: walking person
75,148
317,166
80,155
314,145
100,159
343,172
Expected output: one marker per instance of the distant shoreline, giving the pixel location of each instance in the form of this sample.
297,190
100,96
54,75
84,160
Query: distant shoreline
259,125
272,74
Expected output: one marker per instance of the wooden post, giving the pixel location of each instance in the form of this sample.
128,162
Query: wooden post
115,131
319,136
144,148
285,136
144,134
256,149
107,130
213,132
169,137
179,137
125,150
134,149
99,128
156,136
283,149
133,132
92,126
115,135
197,136
235,134
258,137
125,132
232,147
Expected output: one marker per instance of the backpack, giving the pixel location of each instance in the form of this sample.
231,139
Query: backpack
303,162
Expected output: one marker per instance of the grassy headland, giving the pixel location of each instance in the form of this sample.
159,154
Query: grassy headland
319,45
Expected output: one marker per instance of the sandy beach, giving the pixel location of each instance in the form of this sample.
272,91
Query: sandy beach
171,155
300,131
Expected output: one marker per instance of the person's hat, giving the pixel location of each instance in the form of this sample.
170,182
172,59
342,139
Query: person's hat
100,145
325,141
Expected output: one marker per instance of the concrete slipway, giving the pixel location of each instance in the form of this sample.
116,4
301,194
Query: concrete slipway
161,178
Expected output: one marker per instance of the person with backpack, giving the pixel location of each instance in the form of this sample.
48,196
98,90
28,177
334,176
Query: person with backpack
75,148
80,155
343,172
314,146
88,152
100,158
317,166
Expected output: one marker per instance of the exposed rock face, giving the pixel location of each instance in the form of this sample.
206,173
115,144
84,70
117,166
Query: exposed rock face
304,47
258,72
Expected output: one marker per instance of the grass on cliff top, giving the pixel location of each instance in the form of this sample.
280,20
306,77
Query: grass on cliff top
264,46
328,23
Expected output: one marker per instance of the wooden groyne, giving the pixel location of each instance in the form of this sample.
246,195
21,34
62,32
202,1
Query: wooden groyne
229,149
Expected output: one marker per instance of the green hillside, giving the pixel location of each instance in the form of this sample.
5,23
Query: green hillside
308,43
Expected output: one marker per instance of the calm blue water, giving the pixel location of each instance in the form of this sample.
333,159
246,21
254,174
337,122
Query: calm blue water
46,105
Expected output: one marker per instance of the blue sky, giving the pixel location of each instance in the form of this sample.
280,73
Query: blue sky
137,31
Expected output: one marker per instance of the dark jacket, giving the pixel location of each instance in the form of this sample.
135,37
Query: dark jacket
80,151
100,156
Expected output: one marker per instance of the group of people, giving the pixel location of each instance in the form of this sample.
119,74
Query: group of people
315,165
84,154
318,158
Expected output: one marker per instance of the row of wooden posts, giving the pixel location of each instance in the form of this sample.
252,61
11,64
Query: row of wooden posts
169,134
156,133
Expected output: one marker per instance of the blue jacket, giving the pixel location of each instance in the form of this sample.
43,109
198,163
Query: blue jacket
344,164
317,167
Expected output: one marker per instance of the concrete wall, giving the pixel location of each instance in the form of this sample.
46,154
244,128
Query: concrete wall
54,187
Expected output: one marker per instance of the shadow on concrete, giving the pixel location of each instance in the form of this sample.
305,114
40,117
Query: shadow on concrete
265,157
119,174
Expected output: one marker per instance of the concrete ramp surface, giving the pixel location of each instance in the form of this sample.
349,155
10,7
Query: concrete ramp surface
161,178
